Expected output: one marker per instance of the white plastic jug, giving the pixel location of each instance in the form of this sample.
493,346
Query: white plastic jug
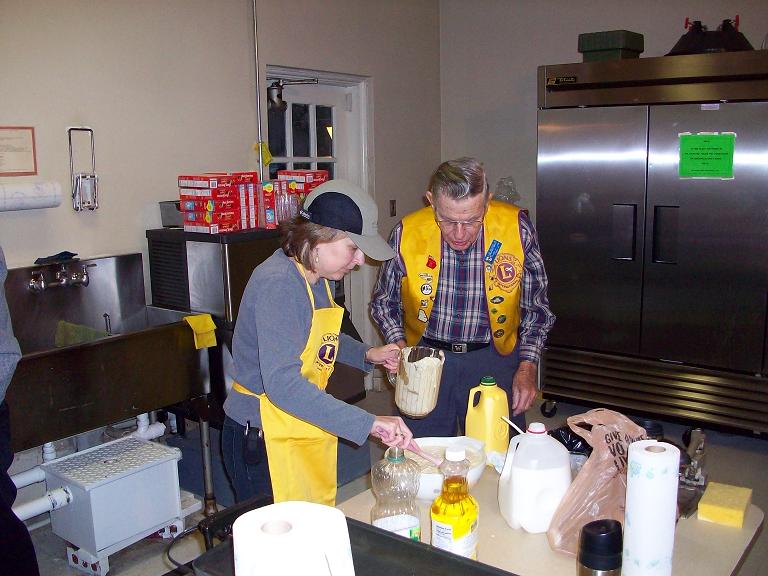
535,477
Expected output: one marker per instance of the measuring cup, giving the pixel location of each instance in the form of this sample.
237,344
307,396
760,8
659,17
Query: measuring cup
418,380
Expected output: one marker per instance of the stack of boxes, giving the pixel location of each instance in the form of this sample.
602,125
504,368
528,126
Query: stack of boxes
293,186
219,202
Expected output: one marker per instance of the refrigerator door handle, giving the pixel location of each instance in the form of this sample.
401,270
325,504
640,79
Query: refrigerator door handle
664,234
623,231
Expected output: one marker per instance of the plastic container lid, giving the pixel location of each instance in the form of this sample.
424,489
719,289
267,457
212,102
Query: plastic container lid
537,428
455,454
488,381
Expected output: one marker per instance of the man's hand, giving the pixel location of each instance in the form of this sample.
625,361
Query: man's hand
523,387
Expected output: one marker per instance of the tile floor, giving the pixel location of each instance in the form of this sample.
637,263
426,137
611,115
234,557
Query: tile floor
731,458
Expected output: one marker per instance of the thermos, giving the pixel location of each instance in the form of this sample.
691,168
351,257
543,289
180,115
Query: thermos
600,547
486,406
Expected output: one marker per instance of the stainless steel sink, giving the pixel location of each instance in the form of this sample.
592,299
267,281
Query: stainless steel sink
93,352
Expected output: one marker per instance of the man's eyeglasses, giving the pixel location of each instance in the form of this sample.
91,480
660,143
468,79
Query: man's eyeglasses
453,225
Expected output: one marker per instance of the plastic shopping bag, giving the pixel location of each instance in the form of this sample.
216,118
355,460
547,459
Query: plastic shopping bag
599,490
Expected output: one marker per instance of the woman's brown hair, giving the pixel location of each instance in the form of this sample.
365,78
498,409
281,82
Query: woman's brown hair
300,237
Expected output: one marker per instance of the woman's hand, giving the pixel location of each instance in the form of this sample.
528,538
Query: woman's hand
387,356
391,430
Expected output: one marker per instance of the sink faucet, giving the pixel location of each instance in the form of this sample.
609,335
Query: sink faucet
37,283
63,277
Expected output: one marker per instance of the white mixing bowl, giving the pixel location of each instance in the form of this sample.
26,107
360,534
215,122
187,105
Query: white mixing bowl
431,481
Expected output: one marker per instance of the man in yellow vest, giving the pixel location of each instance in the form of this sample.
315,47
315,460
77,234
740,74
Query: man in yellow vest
468,279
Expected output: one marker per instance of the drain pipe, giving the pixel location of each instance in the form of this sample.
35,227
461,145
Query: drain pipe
36,474
51,500
147,431
28,477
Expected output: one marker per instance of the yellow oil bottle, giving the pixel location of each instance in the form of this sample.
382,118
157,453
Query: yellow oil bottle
486,406
454,512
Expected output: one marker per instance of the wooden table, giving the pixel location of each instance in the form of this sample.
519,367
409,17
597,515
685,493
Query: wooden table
701,548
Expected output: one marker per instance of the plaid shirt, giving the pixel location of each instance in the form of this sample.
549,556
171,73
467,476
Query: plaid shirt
460,312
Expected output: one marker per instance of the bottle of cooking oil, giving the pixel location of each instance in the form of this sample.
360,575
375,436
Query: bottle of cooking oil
455,513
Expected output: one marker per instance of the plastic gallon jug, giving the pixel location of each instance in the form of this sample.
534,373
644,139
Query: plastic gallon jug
486,405
535,477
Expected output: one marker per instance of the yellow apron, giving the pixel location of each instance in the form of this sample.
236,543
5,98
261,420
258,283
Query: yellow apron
302,456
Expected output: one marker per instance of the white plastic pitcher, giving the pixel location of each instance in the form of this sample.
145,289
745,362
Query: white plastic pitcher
535,477
418,380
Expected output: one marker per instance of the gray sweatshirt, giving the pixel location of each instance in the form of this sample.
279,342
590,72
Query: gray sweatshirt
273,323
9,347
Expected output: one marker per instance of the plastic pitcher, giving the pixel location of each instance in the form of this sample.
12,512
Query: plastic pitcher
486,405
418,380
535,477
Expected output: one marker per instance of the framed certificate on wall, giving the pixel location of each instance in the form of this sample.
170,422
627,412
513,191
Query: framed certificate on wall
17,151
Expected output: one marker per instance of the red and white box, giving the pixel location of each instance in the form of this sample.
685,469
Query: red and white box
210,181
212,228
222,217
248,183
210,205
311,177
267,204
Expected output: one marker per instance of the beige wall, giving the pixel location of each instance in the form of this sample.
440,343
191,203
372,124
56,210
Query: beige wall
168,87
490,50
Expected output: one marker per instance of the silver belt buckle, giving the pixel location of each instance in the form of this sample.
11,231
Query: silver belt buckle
459,348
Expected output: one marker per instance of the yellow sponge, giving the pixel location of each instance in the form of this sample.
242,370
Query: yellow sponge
725,504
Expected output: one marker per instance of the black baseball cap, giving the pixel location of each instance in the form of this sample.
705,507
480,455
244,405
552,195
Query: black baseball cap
343,205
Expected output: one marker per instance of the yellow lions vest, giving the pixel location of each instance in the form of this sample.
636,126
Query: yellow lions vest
420,249
302,456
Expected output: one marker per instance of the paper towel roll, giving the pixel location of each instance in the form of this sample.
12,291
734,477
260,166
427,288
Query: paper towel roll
651,508
29,196
292,539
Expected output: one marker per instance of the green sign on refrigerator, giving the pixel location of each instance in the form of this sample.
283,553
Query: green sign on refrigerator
706,155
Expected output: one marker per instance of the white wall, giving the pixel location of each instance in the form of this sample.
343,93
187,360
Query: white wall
490,50
168,87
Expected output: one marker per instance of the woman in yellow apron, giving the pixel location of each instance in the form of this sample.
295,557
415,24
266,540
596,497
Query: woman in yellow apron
282,428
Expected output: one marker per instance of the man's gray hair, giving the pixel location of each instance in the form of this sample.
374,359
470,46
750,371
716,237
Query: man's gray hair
458,179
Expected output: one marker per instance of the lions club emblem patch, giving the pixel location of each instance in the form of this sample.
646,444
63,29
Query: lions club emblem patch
507,271
326,352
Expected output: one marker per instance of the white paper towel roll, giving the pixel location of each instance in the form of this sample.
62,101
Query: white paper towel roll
292,539
651,508
29,196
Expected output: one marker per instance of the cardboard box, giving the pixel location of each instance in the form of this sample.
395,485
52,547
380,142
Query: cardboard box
312,177
266,207
211,181
210,205
212,228
222,217
218,193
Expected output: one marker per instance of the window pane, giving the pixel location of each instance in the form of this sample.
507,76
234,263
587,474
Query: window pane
302,166
273,168
330,166
276,132
300,129
324,127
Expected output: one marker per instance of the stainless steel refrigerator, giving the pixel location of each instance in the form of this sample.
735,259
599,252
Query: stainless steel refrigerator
652,212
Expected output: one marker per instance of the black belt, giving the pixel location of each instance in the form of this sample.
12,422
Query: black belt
456,347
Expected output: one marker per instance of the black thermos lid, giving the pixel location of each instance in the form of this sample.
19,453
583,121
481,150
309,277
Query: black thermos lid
600,545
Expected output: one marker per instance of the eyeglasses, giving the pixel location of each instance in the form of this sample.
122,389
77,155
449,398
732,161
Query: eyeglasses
453,225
